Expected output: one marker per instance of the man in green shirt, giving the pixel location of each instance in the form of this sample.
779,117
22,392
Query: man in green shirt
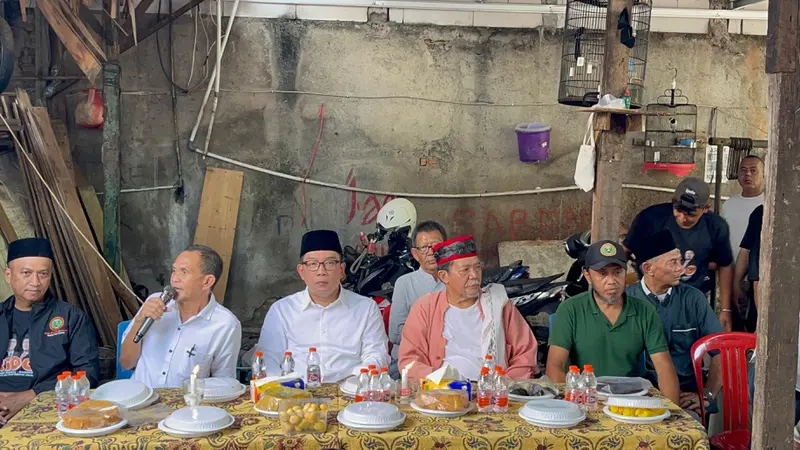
608,329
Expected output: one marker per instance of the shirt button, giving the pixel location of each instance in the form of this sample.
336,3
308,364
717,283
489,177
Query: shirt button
170,351
163,373
438,357
179,328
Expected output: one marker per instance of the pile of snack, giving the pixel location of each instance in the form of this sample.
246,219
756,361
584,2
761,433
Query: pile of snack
637,412
303,417
92,415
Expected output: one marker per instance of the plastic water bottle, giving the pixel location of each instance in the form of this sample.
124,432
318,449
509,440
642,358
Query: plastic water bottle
485,391
63,400
580,391
374,390
313,371
259,371
501,392
84,383
362,386
387,386
570,390
287,366
75,392
590,388
488,363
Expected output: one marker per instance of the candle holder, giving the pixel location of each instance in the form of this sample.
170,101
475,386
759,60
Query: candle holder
193,398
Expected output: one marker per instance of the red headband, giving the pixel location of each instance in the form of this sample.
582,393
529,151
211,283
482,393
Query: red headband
453,249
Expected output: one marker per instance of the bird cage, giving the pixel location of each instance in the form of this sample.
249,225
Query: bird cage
583,51
671,133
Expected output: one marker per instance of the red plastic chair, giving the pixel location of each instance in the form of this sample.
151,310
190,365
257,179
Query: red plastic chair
733,349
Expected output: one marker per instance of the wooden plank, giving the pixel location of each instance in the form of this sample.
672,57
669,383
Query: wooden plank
782,36
216,220
6,228
778,309
71,38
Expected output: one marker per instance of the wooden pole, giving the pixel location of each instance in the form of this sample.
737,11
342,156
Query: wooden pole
110,149
776,362
607,196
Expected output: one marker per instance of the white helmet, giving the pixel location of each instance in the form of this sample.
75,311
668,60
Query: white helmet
397,214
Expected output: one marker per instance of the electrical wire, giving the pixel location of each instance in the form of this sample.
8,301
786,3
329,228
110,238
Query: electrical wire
161,60
57,201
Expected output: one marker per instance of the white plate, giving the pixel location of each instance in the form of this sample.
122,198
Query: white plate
645,383
526,398
266,413
127,393
636,420
450,414
371,428
153,398
226,398
90,433
537,423
344,387
190,434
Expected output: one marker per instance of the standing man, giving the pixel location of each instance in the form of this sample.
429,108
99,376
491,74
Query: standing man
702,237
194,330
747,261
464,323
44,336
345,328
608,329
685,315
414,285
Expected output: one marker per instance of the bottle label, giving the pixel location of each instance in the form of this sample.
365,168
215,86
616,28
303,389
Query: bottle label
405,392
484,400
502,401
387,396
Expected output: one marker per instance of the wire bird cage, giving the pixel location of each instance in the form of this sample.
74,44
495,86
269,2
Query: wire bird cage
671,133
583,51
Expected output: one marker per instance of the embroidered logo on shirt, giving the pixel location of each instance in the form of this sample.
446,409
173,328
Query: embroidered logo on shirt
56,327
608,249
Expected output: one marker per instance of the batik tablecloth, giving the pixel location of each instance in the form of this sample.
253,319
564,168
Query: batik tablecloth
34,428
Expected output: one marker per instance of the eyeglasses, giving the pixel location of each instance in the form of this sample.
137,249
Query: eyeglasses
425,249
314,266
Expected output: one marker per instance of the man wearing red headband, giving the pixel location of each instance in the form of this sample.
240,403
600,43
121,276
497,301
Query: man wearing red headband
464,323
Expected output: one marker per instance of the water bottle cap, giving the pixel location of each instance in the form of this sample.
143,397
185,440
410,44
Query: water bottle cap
66,372
288,353
76,377
489,357
498,368
500,371
372,366
574,369
364,371
384,370
82,373
312,349
588,368
374,372
484,371
260,354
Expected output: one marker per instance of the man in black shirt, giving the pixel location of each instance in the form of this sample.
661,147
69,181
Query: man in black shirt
42,336
702,236
747,261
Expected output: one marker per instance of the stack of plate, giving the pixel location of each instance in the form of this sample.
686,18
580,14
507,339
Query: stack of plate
371,417
552,413
128,393
196,421
622,387
222,390
633,403
349,386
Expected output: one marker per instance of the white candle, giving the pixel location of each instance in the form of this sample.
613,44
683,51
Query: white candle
193,380
405,392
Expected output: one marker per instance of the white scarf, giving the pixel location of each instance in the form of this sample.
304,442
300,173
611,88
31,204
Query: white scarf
493,337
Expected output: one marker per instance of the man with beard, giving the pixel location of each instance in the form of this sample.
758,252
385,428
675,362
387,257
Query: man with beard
464,323
684,313
608,329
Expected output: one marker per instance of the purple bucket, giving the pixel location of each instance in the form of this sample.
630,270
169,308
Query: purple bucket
534,141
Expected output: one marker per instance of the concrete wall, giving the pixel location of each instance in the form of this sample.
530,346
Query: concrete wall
380,143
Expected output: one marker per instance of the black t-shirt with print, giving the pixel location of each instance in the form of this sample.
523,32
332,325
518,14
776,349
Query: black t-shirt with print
752,241
16,374
708,241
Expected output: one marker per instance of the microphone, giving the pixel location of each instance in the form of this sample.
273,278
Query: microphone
168,295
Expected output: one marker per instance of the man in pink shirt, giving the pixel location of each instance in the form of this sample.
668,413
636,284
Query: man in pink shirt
464,323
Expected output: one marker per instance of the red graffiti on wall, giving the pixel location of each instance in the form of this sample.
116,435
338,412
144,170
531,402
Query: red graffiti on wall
370,207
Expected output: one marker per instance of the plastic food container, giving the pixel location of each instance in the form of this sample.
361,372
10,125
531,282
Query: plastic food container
93,415
308,415
449,400
198,419
271,398
551,411
637,402
127,393
372,413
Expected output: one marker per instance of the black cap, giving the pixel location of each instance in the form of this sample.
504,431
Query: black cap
691,194
656,245
320,240
29,247
604,253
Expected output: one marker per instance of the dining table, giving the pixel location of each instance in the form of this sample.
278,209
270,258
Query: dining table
34,428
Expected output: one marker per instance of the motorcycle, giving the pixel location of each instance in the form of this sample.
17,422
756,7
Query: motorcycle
576,246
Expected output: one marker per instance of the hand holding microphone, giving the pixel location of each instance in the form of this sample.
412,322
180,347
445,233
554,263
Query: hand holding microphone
153,309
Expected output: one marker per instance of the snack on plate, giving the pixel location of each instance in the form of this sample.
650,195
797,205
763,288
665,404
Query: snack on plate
443,400
637,412
303,416
92,414
533,388
270,398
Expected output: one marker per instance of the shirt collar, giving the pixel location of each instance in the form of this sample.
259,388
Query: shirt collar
648,293
305,299
208,311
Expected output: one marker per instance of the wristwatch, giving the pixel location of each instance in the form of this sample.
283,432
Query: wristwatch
708,395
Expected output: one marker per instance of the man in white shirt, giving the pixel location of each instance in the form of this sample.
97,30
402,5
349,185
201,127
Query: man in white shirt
346,328
736,211
194,330
411,286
